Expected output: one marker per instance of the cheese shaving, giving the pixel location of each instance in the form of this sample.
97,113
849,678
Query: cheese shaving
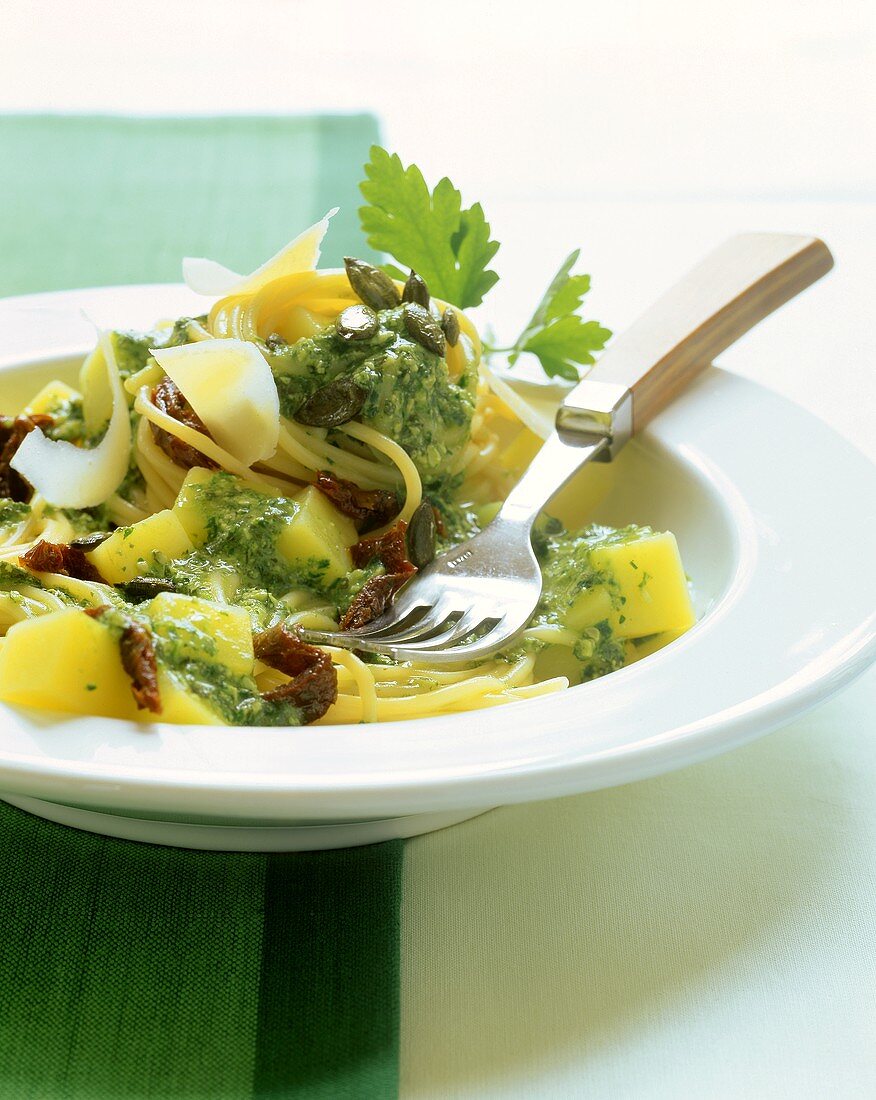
212,279
80,477
230,386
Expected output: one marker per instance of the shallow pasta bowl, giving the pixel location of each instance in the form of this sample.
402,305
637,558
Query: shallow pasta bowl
769,507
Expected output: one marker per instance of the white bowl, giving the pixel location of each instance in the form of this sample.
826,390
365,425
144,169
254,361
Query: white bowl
773,513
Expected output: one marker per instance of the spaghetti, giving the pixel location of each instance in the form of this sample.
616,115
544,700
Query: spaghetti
224,550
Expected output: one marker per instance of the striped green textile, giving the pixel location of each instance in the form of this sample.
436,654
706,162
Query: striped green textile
135,971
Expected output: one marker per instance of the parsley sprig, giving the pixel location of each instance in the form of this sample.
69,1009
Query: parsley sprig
430,232
556,333
450,247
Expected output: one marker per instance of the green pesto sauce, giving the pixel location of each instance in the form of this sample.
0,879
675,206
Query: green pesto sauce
13,576
240,560
410,396
69,423
133,349
12,512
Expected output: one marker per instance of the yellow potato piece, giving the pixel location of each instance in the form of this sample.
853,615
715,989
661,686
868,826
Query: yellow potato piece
205,631
651,594
318,532
189,509
593,606
69,662
131,551
50,397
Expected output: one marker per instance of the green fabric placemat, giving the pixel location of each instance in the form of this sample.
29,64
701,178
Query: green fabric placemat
98,201
128,970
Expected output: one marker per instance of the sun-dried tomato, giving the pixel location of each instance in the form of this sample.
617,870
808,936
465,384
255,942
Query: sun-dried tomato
168,397
368,508
390,548
138,660
59,557
313,686
372,600
12,431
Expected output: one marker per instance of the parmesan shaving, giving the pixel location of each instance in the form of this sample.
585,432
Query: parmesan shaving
230,386
80,477
210,278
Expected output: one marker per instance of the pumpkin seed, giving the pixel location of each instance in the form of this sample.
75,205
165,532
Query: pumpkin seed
141,589
450,326
275,343
423,328
89,542
333,404
415,290
373,286
357,323
422,533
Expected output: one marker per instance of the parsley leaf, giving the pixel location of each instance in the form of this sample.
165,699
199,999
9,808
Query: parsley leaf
556,334
428,231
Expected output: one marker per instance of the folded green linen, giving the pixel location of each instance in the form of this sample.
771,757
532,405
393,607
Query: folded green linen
128,970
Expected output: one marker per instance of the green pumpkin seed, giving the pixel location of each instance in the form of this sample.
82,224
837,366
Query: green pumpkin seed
423,328
415,290
141,589
357,323
333,404
373,286
422,534
450,326
89,542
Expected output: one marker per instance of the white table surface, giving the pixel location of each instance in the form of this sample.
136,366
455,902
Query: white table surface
708,933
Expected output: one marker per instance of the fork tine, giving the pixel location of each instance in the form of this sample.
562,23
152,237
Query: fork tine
435,617
461,628
484,646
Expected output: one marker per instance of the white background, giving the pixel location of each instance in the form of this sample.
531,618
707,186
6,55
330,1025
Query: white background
643,133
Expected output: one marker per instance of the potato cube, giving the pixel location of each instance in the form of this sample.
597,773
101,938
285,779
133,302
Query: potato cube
52,396
204,631
189,509
131,551
651,593
318,533
592,606
68,661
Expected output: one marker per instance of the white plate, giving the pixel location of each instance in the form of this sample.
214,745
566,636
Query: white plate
774,515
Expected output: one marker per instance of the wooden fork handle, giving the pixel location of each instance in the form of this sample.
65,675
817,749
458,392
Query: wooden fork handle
737,285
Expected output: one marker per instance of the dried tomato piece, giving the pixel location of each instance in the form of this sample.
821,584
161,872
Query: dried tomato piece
168,397
313,686
59,557
138,660
12,432
372,600
390,548
368,508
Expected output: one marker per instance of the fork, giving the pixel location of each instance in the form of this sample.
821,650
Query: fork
476,598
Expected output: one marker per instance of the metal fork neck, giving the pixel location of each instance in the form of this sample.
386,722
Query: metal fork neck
561,457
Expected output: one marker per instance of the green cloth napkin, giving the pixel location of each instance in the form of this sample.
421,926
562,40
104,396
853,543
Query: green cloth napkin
128,970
